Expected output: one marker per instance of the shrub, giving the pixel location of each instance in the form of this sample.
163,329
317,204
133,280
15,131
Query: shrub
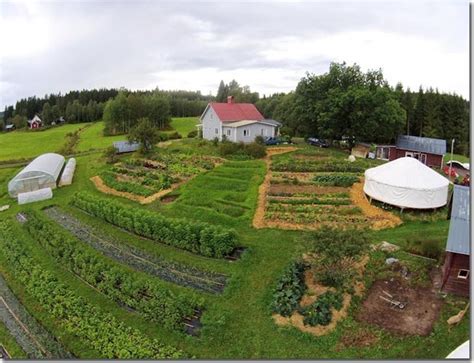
110,155
241,150
335,244
259,140
289,289
215,141
337,180
197,237
338,274
192,134
174,135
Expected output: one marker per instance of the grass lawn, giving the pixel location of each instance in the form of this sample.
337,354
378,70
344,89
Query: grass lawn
29,144
237,323
184,125
10,344
92,138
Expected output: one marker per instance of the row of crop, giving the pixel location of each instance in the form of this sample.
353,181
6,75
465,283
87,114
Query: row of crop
110,179
144,295
35,340
95,327
196,237
312,218
337,180
177,273
318,166
306,194
158,179
318,208
311,201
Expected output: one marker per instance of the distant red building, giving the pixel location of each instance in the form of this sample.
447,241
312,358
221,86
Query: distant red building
429,151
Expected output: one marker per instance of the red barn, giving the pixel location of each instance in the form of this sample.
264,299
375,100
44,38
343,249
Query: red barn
35,123
456,269
428,150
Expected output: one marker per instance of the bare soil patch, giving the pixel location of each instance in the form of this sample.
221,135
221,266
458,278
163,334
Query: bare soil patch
380,219
168,199
358,338
422,307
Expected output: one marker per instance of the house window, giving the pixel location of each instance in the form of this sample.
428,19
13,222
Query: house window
463,274
217,131
261,132
228,132
246,133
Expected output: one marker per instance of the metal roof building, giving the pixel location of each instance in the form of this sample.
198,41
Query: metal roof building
42,172
459,240
126,146
422,144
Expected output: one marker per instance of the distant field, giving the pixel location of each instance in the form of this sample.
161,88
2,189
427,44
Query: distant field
93,138
28,144
184,125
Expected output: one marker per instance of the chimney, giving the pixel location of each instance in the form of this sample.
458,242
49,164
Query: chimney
230,99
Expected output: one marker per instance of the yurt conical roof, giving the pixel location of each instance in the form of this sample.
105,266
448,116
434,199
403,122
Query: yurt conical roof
407,183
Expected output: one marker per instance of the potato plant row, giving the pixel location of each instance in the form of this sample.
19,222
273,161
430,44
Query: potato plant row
329,165
177,273
144,295
197,237
100,330
35,340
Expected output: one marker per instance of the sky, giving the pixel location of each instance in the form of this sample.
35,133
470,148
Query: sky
57,46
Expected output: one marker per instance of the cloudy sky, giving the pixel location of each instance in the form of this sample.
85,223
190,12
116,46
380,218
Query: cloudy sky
53,46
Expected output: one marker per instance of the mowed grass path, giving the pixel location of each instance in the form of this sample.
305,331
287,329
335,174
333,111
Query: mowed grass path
92,138
29,144
184,125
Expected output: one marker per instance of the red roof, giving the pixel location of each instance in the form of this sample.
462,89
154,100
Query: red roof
228,112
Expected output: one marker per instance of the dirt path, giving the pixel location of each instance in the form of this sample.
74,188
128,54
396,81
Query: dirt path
380,218
259,216
100,185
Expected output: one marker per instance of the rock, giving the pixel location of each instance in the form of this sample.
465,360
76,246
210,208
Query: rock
391,260
387,247
4,207
351,158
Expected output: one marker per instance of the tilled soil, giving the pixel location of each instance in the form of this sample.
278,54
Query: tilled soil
422,307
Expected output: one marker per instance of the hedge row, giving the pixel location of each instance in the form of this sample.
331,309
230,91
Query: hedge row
196,237
111,338
144,295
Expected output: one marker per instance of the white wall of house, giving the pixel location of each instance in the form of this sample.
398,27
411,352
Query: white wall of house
211,125
250,132
230,133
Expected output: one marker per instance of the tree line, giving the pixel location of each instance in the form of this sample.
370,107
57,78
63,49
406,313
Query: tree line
346,102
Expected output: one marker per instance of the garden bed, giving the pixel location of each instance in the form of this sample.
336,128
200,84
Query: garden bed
422,307
176,273
30,335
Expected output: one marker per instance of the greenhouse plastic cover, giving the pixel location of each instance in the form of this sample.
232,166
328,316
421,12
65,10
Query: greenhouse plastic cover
35,196
68,172
407,183
42,172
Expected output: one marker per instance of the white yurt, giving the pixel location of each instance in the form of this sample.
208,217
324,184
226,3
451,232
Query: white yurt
42,172
407,183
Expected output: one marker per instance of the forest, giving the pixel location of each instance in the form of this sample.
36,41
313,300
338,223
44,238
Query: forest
344,102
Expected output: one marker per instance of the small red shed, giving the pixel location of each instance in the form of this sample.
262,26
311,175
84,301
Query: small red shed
456,269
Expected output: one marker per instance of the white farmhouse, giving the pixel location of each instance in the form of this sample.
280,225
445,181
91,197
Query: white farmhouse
236,122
